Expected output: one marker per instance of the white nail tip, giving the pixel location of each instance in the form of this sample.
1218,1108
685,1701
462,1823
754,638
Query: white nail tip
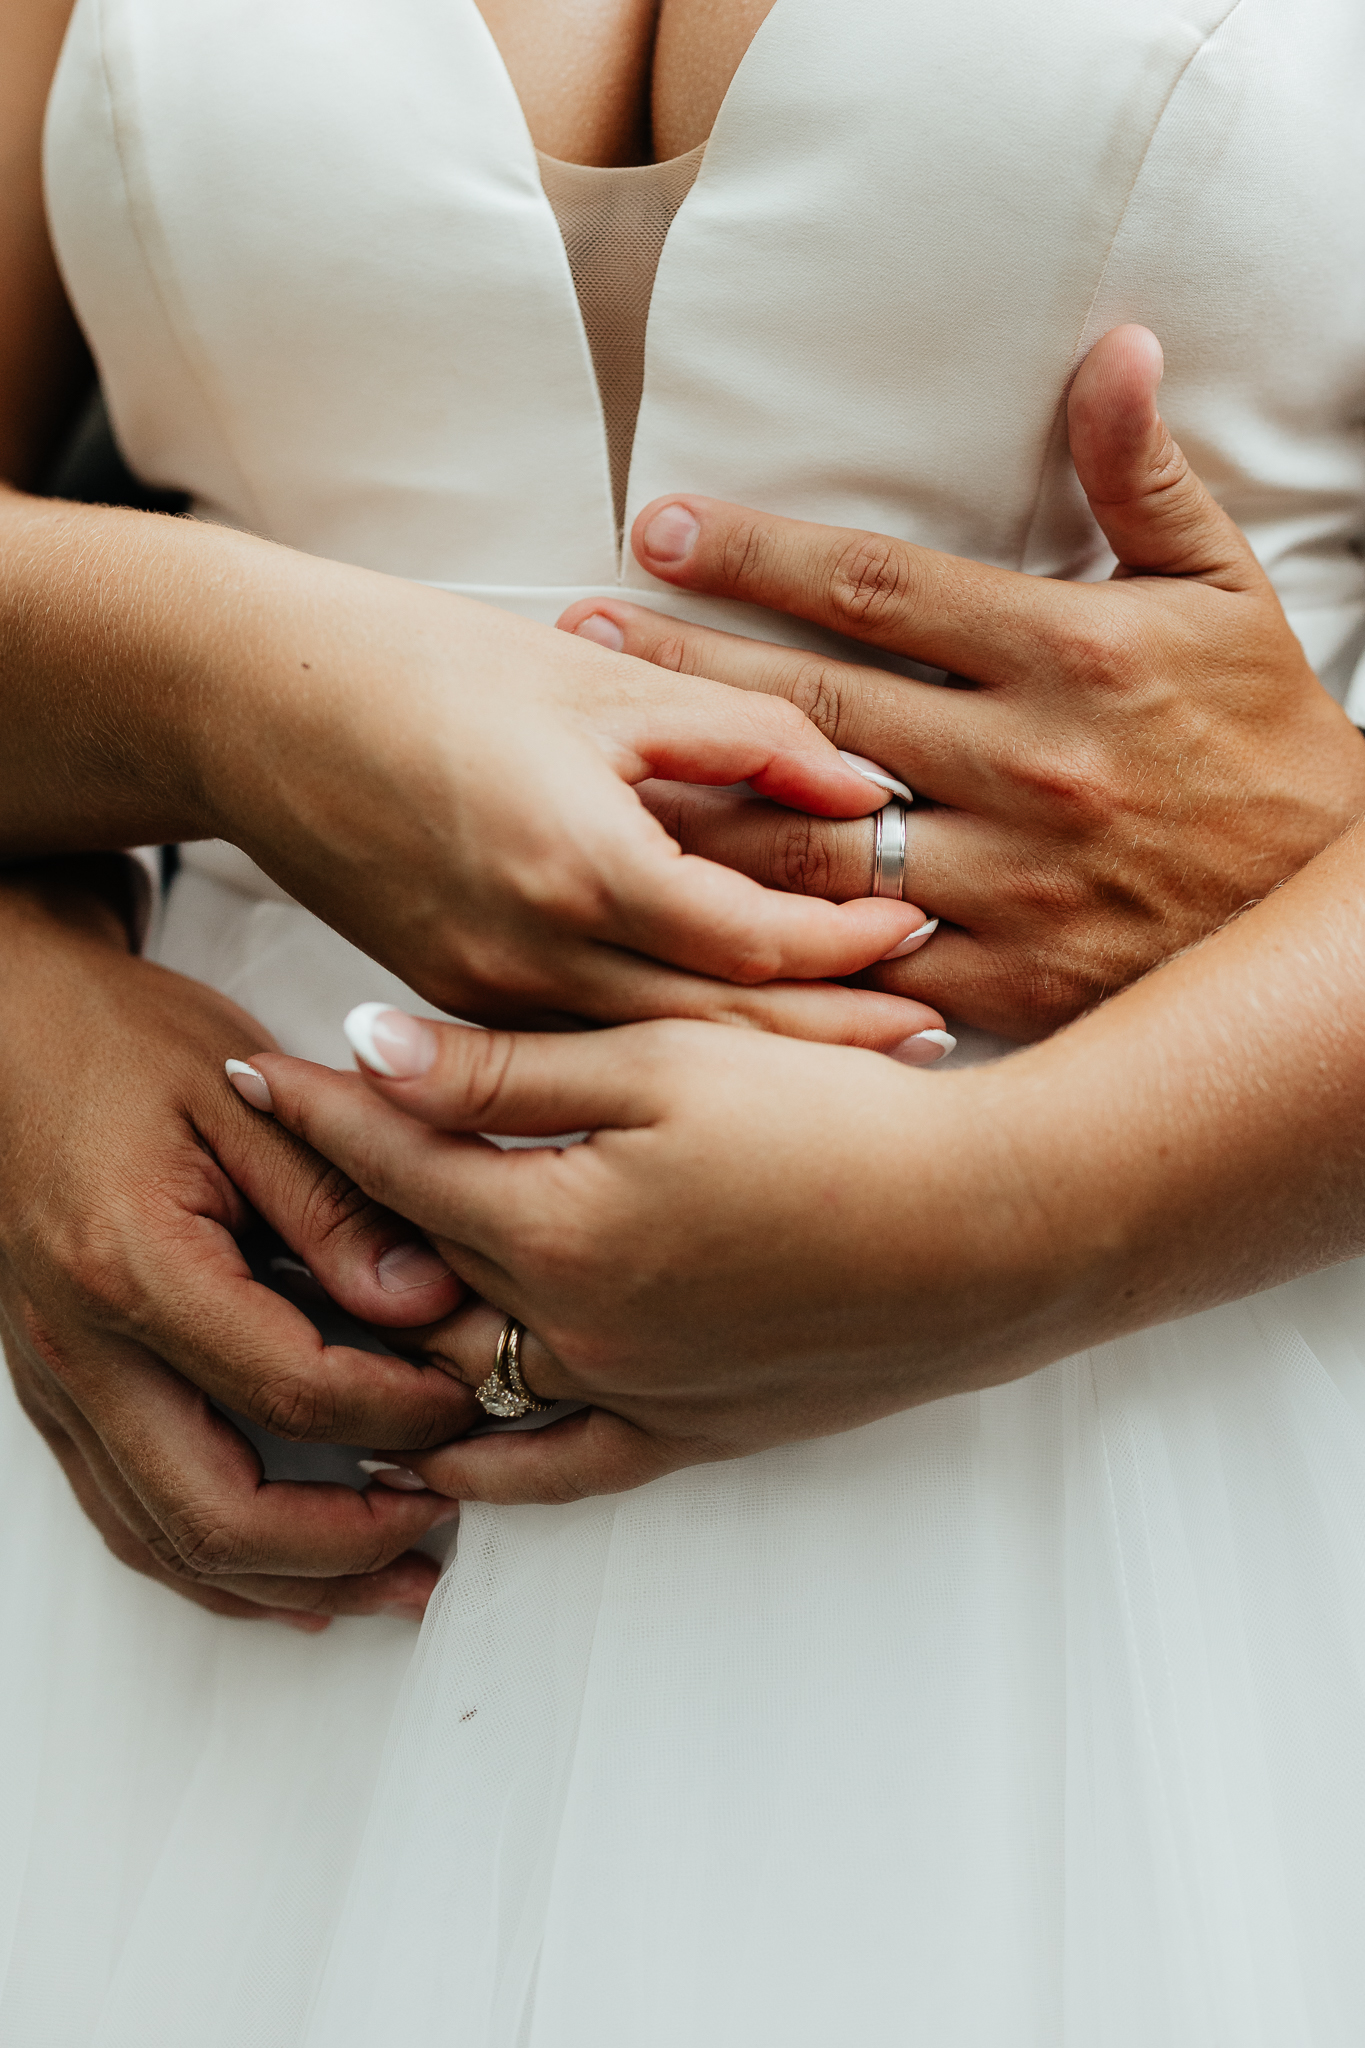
249,1083
872,772
936,1044
913,941
359,1028
397,1476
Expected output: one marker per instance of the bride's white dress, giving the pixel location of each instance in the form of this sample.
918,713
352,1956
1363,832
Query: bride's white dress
1033,1717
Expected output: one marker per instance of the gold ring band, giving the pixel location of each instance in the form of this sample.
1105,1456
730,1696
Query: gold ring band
505,1393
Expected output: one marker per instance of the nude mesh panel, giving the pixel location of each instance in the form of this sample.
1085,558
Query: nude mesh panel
614,222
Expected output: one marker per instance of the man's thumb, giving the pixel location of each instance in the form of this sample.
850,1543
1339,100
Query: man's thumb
1154,512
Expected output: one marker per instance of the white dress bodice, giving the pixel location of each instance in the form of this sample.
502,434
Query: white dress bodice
329,299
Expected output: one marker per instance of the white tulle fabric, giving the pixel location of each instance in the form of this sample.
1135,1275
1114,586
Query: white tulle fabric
1034,1717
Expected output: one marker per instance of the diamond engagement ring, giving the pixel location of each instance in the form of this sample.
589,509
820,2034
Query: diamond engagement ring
505,1393
888,850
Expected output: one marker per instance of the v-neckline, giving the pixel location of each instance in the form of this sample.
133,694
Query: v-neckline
738,86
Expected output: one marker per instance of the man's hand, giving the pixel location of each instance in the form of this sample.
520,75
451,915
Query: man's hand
1120,768
129,1169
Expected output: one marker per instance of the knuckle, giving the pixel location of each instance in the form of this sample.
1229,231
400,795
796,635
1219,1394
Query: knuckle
744,553
41,1340
661,1048
499,980
1048,986
483,1065
128,1549
197,1544
1073,792
818,693
788,719
290,1408
379,1553
96,1282
669,650
561,1488
1103,654
1083,791
561,1251
804,864
872,583
331,1205
1169,469
750,964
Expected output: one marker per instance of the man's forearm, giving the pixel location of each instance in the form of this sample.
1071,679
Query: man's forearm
1202,1136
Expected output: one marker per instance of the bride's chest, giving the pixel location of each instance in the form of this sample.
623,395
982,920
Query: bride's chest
621,81
356,323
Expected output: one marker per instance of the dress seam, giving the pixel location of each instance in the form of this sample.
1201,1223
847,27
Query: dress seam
1078,353
117,129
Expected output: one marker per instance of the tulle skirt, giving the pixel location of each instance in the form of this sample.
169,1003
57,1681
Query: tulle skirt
1031,1717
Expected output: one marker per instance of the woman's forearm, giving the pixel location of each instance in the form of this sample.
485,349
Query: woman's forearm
139,654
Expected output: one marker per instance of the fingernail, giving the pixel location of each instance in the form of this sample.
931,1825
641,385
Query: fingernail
670,535
597,626
450,1514
396,1476
870,772
406,1610
925,1049
410,1265
390,1042
250,1085
913,944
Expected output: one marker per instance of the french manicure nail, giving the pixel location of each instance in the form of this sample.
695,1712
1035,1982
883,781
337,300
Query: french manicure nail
671,535
396,1476
250,1085
871,772
389,1041
925,1049
410,1265
913,943
597,626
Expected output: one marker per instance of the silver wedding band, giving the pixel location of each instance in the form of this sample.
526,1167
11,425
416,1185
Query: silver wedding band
888,850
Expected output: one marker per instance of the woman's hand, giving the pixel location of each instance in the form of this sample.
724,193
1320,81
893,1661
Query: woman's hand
762,1240
126,1172
488,844
1126,765
446,784
725,1264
